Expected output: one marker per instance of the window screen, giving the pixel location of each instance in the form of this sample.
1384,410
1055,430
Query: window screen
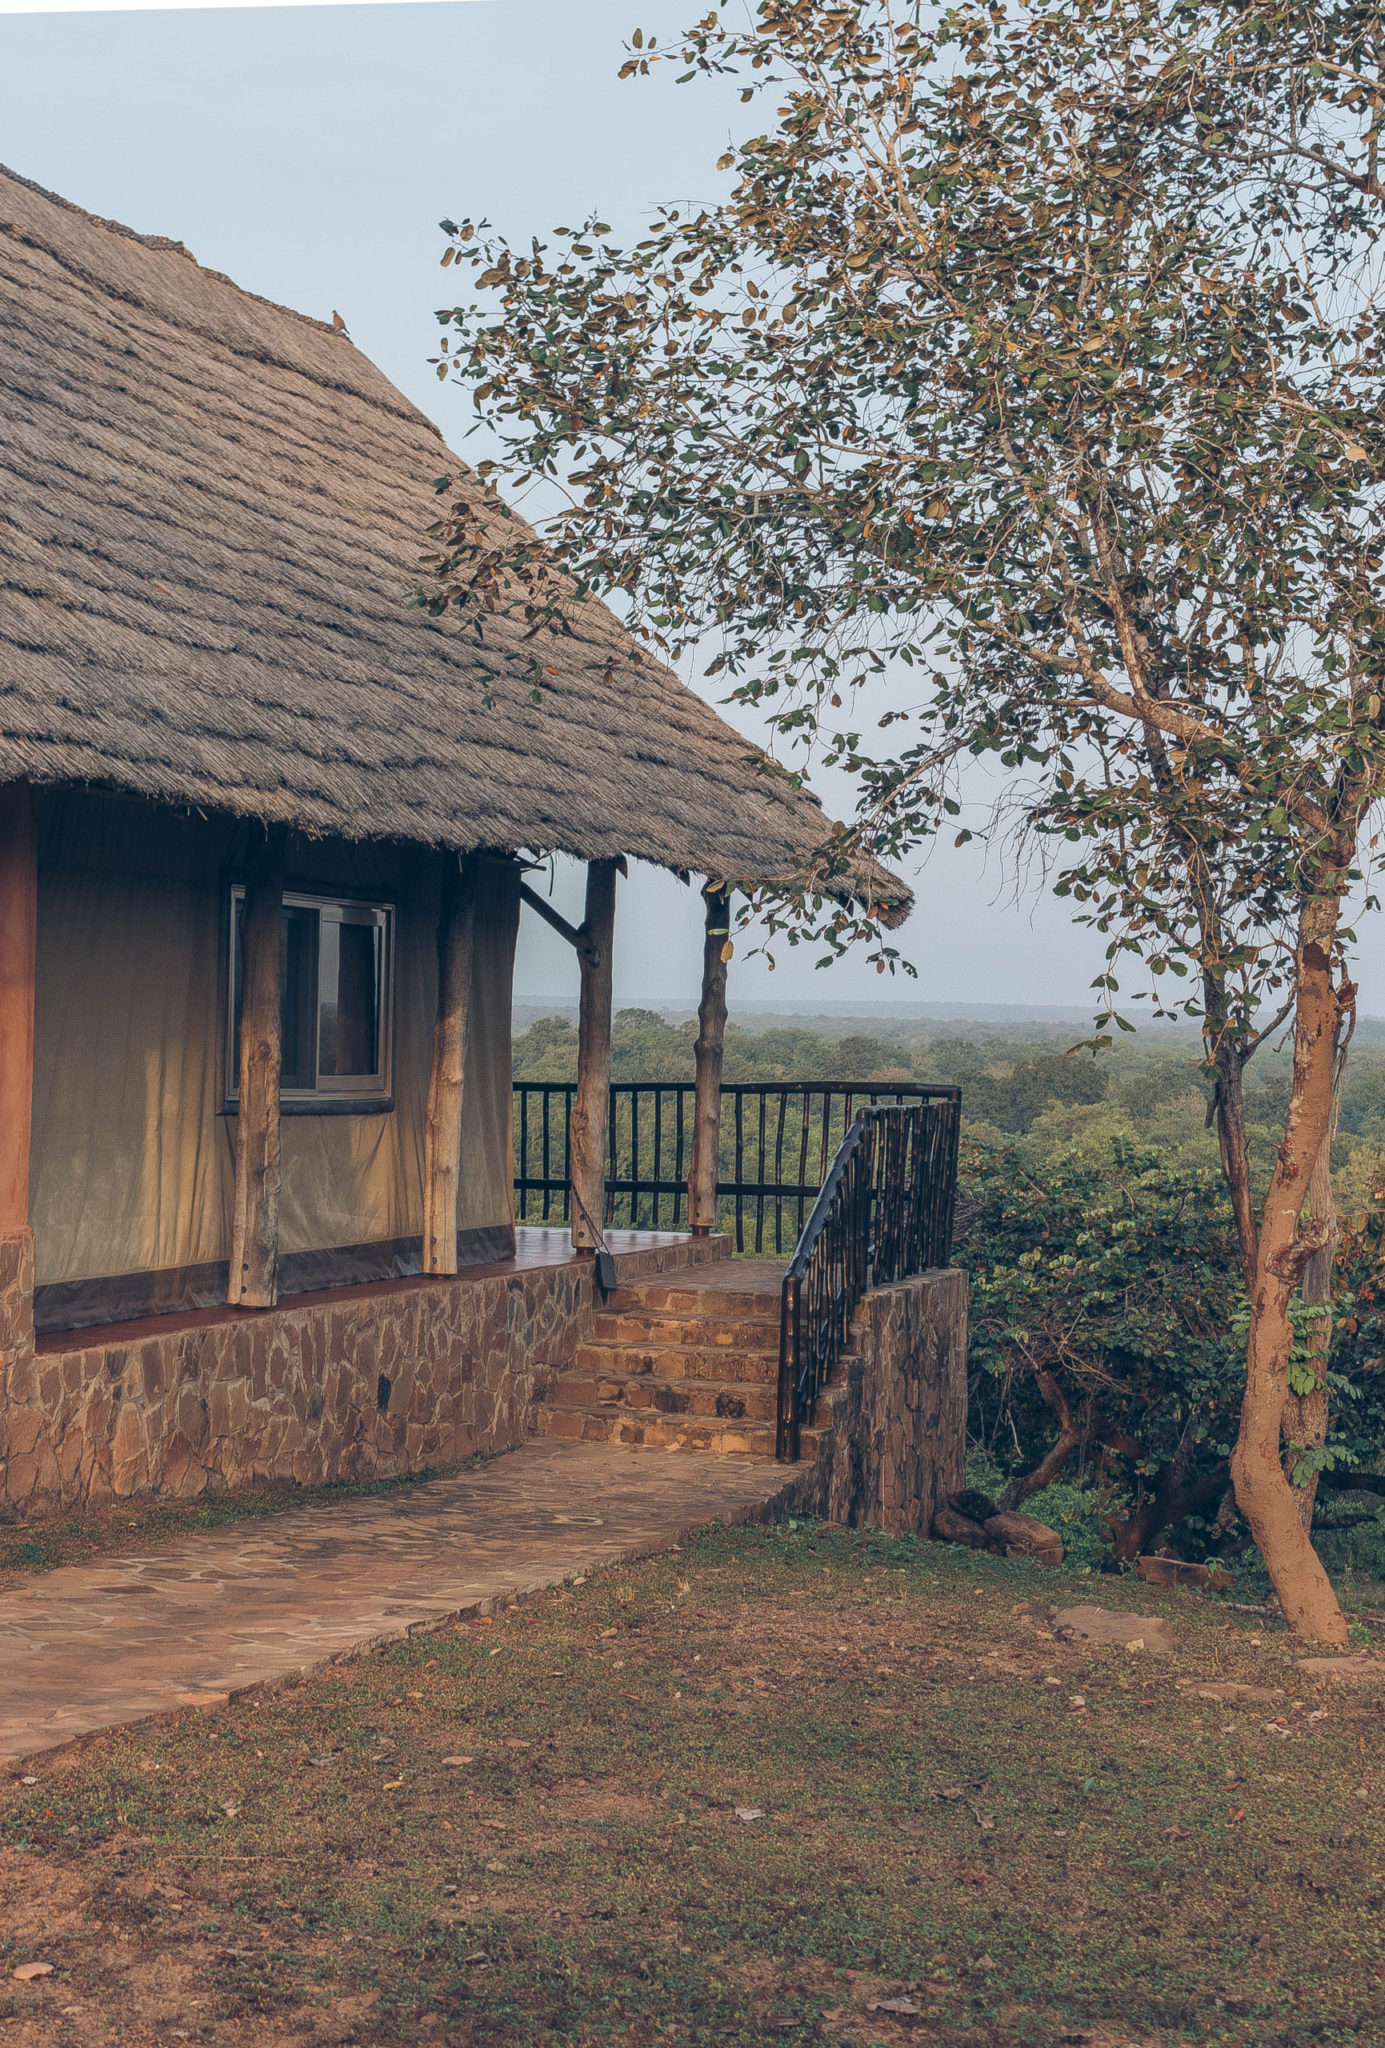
336,966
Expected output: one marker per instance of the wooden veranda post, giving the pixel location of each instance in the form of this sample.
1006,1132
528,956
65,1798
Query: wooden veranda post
711,1038
591,1111
254,1276
442,1137
18,935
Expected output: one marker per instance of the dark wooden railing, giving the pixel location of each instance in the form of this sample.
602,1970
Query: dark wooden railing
885,1211
778,1141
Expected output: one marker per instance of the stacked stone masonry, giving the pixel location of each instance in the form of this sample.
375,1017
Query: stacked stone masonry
412,1374
897,1443
364,1383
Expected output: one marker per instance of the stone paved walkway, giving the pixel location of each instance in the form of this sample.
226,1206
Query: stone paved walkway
93,1646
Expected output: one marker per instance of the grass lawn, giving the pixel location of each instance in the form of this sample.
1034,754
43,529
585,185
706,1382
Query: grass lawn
739,1793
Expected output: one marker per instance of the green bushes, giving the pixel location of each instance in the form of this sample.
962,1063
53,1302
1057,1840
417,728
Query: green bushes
1103,1300
1107,1356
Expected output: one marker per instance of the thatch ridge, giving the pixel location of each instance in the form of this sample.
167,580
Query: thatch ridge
212,513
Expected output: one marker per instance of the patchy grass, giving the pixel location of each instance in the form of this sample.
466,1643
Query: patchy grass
123,1527
527,1832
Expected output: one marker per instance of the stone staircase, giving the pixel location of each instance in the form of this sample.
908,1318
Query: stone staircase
687,1361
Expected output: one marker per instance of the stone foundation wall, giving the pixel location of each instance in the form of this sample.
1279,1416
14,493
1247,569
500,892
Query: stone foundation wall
17,1351
898,1446
361,1384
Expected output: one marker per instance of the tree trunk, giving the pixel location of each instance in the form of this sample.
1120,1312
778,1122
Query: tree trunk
1305,1418
442,1133
589,1129
1263,1492
18,936
1229,1115
711,1037
1070,1435
254,1276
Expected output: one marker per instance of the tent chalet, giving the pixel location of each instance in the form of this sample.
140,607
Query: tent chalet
263,835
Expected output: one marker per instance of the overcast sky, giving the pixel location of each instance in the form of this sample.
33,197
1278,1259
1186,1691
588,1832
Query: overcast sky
309,152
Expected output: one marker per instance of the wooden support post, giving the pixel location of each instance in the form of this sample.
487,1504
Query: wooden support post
254,1276
589,1129
18,935
442,1136
711,1038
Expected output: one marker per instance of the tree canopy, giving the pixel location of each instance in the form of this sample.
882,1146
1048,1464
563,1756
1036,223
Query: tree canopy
1021,399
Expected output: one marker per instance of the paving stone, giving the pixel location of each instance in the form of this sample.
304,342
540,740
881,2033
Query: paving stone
98,1645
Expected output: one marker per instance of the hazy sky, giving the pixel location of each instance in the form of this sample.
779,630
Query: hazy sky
309,152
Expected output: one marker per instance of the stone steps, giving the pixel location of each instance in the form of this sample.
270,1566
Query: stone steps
721,1400
670,1364
723,1329
653,1431
678,1361
747,1304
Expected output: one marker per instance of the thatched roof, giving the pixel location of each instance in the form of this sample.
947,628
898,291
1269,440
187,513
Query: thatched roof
211,516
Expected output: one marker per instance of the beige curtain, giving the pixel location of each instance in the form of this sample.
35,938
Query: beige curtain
132,1162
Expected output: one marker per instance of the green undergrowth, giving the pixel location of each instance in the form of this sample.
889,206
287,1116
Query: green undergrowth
1354,1557
794,1783
1074,1508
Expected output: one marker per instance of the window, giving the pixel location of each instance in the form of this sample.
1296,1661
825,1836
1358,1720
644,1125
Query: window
337,967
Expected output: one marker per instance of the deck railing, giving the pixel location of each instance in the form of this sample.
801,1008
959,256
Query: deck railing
778,1142
885,1211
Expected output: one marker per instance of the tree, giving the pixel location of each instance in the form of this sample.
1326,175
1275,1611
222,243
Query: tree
1022,394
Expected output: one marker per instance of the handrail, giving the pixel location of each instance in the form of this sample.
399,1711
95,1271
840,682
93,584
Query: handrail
885,1211
777,1143
827,1276
851,1144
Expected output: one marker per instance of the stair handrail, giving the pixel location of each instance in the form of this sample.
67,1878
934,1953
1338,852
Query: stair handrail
885,1212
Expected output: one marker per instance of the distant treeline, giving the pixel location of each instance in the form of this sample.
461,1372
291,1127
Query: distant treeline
1041,1098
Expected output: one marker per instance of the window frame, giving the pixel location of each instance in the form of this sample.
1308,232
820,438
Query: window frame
331,1094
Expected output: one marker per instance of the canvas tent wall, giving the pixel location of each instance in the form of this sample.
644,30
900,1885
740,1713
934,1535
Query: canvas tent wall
132,1153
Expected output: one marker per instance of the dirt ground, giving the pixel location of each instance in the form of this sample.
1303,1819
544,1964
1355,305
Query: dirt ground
795,1784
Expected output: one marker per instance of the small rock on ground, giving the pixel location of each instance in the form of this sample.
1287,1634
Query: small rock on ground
1343,1667
1099,1625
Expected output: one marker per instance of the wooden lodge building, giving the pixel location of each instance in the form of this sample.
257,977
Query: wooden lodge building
263,834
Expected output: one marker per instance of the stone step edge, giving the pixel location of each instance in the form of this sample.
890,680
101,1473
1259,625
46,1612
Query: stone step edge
680,1361
643,1425
585,1376
603,1424
564,1394
697,1303
746,1328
